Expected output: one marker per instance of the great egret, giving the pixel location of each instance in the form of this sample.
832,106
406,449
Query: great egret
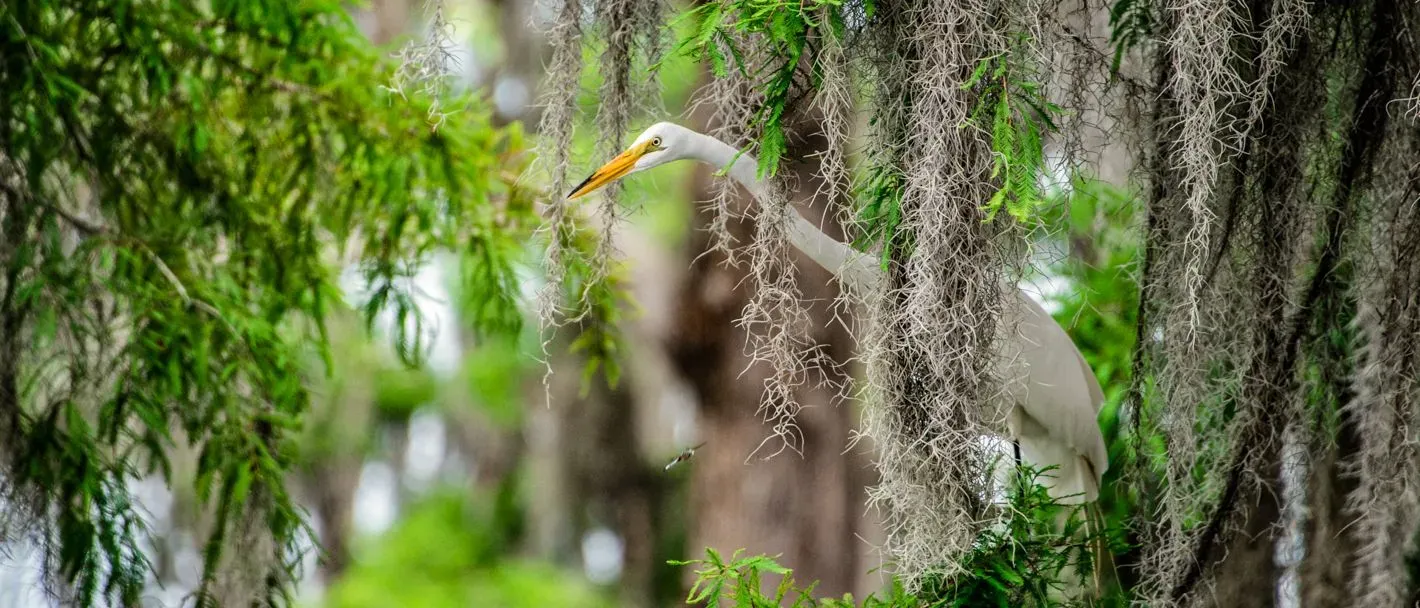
1054,393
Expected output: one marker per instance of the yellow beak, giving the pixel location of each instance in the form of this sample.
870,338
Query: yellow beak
615,169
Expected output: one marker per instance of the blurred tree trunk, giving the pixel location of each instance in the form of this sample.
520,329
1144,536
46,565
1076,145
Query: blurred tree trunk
588,472
1247,574
552,500
625,490
525,53
1330,549
385,20
808,508
331,486
333,447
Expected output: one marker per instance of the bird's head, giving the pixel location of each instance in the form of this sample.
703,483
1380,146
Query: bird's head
663,142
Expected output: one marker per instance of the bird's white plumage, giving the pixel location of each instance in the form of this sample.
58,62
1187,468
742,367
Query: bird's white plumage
1053,394
1057,400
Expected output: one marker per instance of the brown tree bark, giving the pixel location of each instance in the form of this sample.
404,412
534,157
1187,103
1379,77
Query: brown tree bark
1247,574
807,508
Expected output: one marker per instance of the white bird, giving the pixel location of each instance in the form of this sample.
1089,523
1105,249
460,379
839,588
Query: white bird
1055,395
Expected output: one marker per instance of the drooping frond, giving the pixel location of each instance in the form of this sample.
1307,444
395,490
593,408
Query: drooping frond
556,128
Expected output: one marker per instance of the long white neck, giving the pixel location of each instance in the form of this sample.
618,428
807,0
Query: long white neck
855,270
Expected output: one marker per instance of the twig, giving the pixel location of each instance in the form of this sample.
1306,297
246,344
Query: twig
1080,40
89,228
182,291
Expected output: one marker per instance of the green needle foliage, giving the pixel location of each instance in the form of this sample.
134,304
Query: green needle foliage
1026,559
178,181
881,213
786,30
595,307
1131,23
1012,108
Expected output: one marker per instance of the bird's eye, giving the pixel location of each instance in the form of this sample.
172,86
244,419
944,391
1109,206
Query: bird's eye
656,142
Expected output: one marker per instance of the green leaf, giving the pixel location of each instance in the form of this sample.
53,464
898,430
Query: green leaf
46,325
241,486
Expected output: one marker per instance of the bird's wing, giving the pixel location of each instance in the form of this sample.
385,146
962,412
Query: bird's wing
1093,383
1045,374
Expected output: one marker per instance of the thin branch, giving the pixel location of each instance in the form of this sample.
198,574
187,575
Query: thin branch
1133,83
88,227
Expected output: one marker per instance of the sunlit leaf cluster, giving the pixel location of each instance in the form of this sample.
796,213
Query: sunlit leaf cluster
452,550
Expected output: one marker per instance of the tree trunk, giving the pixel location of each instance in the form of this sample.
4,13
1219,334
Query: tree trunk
331,484
384,20
588,471
525,54
611,485
1247,574
1329,548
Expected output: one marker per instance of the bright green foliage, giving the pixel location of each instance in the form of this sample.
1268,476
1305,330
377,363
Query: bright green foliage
880,212
1021,562
596,308
1024,560
447,552
599,337
787,30
494,368
399,391
494,372
1013,109
1100,308
739,583
337,423
176,179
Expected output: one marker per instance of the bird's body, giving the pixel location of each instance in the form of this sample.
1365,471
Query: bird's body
1053,395
1056,399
